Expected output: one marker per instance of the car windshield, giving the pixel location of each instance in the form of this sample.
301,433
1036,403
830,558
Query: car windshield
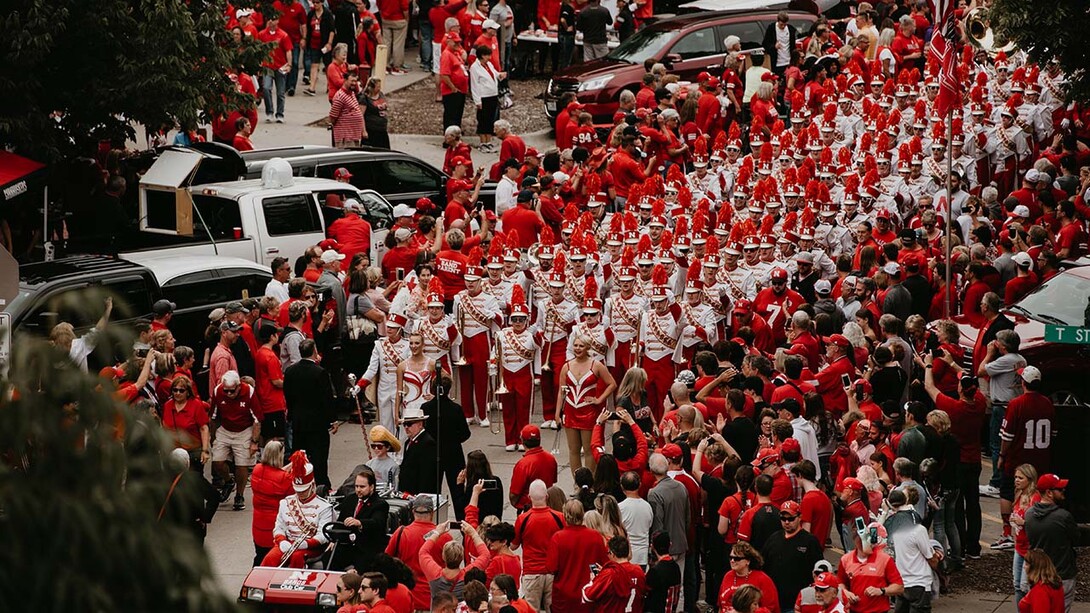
1062,298
642,45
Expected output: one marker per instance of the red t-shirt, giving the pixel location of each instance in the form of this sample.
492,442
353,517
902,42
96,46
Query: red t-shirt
1028,425
525,222
626,171
405,545
242,143
966,419
534,532
770,597
450,268
267,370
401,257
236,413
571,552
877,570
536,464
1043,598
1073,238
282,47
781,488
732,508
818,510
292,17
452,65
185,426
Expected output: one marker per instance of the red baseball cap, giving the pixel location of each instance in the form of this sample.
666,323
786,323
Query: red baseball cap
460,160
530,432
743,305
765,456
790,445
328,244
459,185
852,483
342,173
837,339
826,581
791,507
1051,482
672,451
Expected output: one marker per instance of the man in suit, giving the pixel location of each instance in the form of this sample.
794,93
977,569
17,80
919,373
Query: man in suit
367,514
309,395
447,424
418,465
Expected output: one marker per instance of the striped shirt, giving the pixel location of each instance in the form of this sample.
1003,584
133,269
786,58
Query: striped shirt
346,116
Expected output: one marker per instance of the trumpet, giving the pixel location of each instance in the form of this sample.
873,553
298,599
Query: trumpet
461,361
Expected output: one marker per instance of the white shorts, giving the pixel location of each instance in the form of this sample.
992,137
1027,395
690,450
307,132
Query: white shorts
234,445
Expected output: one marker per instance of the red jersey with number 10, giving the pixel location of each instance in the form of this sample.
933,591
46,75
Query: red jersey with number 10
1029,426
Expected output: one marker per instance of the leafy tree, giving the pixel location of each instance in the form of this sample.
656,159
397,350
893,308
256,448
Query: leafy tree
1048,30
73,73
82,482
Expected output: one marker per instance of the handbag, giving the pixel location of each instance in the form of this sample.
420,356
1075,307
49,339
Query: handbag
358,327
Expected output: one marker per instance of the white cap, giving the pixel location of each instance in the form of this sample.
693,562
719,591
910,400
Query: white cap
1031,374
404,210
490,24
239,14
822,286
1021,211
1032,175
892,268
353,205
1022,259
330,255
403,234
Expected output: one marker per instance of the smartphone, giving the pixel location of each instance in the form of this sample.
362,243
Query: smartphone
860,525
937,353
594,568
455,525
845,380
400,274
491,484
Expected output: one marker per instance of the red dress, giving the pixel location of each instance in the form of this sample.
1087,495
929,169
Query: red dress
580,411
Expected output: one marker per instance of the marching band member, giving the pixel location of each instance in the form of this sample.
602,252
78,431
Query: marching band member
659,332
697,321
297,535
519,358
437,329
600,338
388,353
554,315
716,293
624,311
476,314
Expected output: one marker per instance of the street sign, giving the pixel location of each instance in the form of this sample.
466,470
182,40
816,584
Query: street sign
1069,335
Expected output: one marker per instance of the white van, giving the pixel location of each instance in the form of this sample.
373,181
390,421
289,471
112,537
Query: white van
277,215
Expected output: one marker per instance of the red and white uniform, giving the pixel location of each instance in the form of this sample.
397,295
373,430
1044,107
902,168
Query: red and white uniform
659,336
382,372
602,342
300,522
741,284
440,337
520,359
580,394
555,320
477,316
624,315
697,326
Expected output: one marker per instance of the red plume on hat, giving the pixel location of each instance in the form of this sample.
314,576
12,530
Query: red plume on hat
302,471
499,243
767,224
894,121
586,221
756,129
737,233
870,165
592,184
590,288
658,275
915,145
889,88
982,79
798,101
693,274
904,152
518,295
734,132
667,240
674,174
844,157
630,222
644,246
841,83
435,286
871,178
547,238
656,185
590,244
851,184
823,193
700,218
806,218
724,215
658,207
938,132
628,256
635,192
920,110
1014,102
700,146
790,221
615,224
828,114
511,239
766,153
571,213
777,126
475,256
685,198
804,173
720,142
712,246
681,227
790,176
560,262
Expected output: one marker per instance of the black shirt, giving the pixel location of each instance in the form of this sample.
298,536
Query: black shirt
592,22
661,577
888,383
766,522
741,433
789,562
567,20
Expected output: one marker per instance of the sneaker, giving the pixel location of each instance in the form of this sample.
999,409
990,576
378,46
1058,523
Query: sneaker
306,80
240,503
310,92
279,120
225,491
1003,542
406,68
549,425
471,421
509,448
521,447
990,491
485,423
972,556
268,119
291,92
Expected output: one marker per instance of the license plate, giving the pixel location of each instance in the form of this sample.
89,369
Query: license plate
550,106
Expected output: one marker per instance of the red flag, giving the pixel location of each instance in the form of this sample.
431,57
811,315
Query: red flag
943,42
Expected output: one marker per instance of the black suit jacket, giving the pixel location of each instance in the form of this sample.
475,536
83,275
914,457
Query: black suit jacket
372,539
308,392
447,424
998,324
418,466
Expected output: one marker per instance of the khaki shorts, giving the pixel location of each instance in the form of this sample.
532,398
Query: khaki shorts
538,591
234,445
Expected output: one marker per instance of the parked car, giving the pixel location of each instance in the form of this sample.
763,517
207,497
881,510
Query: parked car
69,289
254,219
399,177
1063,300
686,45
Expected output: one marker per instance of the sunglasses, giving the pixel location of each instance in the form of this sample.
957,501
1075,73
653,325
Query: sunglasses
179,389
230,390
378,446
738,558
788,517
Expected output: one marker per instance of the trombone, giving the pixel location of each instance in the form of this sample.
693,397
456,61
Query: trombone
545,367
461,361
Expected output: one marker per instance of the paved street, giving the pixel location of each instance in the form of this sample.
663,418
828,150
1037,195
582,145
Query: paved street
229,542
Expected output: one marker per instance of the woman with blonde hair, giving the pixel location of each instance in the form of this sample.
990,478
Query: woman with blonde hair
270,484
609,514
1025,496
761,104
1046,593
585,386
943,486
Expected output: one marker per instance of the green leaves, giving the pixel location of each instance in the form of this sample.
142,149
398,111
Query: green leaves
74,73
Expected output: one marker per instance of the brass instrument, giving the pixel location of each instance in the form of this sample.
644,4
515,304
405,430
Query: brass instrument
496,387
979,33
461,361
545,367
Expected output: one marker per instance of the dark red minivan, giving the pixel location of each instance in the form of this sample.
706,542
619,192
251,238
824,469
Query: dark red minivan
686,45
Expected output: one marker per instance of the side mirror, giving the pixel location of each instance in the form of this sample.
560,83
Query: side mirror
671,59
